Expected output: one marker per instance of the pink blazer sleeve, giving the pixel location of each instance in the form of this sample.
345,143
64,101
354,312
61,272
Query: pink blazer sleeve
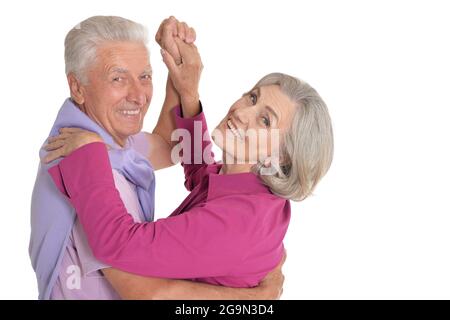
197,243
196,154
202,242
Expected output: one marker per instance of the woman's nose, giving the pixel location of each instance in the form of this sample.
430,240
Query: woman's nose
242,115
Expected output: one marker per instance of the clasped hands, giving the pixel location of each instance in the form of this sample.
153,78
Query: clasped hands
181,57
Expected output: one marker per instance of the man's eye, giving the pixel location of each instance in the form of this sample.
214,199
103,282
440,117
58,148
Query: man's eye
253,98
266,121
146,77
117,79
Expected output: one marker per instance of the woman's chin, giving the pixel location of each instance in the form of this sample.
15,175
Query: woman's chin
218,137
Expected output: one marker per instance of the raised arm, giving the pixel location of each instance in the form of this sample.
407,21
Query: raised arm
170,29
157,146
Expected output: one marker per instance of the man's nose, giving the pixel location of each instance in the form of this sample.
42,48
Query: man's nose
137,94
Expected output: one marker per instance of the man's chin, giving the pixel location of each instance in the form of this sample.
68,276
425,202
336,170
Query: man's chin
132,130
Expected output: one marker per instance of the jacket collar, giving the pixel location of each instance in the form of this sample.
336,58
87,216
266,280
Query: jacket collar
238,183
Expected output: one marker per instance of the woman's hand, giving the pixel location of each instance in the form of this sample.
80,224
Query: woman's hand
68,140
186,75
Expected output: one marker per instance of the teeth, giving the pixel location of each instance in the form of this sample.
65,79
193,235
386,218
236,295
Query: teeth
130,112
233,129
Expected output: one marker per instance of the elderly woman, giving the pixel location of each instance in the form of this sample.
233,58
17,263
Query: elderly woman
230,228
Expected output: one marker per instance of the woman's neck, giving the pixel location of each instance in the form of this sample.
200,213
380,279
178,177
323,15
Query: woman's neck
235,168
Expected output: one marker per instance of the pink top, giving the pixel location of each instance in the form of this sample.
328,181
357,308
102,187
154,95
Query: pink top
80,276
228,231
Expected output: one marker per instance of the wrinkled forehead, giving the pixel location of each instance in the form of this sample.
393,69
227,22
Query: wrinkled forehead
123,54
274,96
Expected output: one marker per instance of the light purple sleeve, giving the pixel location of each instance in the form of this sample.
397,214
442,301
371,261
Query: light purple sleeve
89,263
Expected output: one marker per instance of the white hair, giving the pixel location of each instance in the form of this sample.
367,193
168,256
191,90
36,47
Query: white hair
307,147
83,40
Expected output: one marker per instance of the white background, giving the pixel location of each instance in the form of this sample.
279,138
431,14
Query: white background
378,226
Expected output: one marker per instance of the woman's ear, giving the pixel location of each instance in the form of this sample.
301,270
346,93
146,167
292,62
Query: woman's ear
267,163
268,166
76,92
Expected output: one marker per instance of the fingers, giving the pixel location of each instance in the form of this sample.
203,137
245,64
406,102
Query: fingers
54,145
169,61
61,136
188,52
67,141
188,34
168,44
53,155
185,32
182,45
182,30
70,130
171,27
191,35
64,134
159,33
59,140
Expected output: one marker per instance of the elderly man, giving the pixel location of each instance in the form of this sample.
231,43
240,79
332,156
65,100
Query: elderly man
110,81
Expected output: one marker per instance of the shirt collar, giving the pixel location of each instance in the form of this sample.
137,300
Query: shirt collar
238,183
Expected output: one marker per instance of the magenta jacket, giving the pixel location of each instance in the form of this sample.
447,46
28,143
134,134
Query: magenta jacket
228,231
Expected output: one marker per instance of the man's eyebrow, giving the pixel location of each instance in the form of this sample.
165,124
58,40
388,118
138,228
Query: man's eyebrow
148,70
118,69
123,70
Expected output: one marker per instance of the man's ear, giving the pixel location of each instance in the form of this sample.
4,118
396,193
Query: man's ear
76,92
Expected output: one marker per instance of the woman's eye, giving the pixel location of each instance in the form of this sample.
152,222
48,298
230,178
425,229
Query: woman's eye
253,98
266,121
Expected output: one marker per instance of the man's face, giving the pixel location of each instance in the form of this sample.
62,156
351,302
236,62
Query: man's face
119,88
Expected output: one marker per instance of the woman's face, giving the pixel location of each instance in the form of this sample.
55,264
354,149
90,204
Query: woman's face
254,126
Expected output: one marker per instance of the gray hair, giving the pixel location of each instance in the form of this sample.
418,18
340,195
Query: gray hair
307,147
82,40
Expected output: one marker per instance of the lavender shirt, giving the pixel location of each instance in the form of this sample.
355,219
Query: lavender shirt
52,216
80,277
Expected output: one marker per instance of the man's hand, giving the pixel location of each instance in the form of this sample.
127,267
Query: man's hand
168,30
272,285
186,75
